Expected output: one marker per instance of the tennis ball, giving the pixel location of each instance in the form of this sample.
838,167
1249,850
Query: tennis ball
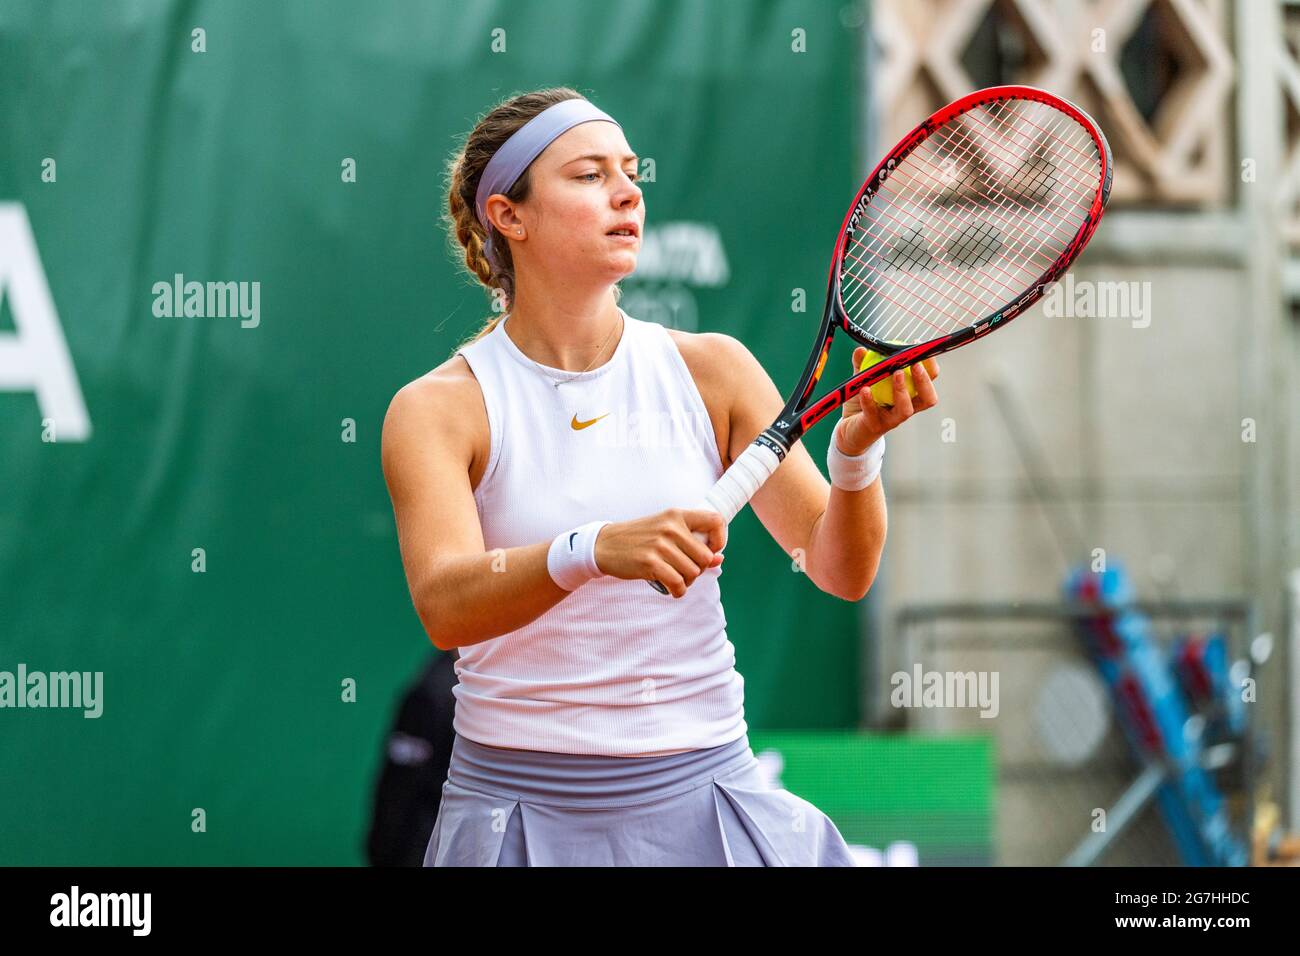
883,391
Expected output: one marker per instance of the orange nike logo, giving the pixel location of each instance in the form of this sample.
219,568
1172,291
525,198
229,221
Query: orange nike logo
579,426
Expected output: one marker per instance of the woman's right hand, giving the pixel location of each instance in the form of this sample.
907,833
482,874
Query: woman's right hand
663,547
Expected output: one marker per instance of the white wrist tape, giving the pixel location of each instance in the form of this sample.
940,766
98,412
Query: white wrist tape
572,558
854,472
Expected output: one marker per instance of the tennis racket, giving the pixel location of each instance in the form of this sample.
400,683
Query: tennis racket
960,229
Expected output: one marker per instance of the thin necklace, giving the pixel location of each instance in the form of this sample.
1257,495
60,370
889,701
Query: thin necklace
558,382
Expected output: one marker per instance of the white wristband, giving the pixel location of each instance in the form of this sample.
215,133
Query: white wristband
854,472
572,558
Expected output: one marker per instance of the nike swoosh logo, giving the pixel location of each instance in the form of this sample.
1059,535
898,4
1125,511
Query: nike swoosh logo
571,537
578,426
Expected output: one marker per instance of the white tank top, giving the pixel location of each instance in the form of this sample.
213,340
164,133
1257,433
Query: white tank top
616,668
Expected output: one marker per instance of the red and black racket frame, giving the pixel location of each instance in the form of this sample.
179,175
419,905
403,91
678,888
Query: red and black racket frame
795,419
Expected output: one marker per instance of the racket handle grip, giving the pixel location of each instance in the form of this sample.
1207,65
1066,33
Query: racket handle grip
742,480
737,485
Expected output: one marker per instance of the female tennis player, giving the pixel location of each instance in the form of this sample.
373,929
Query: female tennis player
538,478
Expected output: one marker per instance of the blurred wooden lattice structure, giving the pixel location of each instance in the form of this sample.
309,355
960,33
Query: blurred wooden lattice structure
1158,76
1289,70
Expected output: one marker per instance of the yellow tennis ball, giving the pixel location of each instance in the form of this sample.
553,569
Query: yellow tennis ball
883,391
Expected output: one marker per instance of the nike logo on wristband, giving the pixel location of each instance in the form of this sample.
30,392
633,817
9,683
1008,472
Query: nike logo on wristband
571,537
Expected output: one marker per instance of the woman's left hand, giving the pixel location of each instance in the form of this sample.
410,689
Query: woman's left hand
867,421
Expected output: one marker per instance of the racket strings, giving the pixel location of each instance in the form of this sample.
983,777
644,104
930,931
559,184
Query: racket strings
1078,158
969,220
1072,191
962,145
1030,183
965,150
1046,229
972,245
985,241
998,279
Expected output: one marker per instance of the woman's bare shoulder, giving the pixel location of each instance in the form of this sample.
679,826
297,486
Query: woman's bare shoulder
700,351
442,407
447,391
715,359
709,357
735,387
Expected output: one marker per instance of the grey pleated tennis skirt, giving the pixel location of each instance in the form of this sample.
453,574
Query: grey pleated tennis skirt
707,807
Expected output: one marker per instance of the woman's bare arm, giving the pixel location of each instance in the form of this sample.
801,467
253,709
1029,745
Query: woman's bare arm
796,503
855,523
462,594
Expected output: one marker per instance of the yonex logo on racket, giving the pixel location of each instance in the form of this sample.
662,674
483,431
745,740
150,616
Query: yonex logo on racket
858,212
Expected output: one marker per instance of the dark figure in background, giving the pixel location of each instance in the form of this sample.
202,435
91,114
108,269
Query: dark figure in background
416,759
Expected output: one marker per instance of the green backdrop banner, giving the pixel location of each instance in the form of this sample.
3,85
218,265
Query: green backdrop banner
194,508
899,799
